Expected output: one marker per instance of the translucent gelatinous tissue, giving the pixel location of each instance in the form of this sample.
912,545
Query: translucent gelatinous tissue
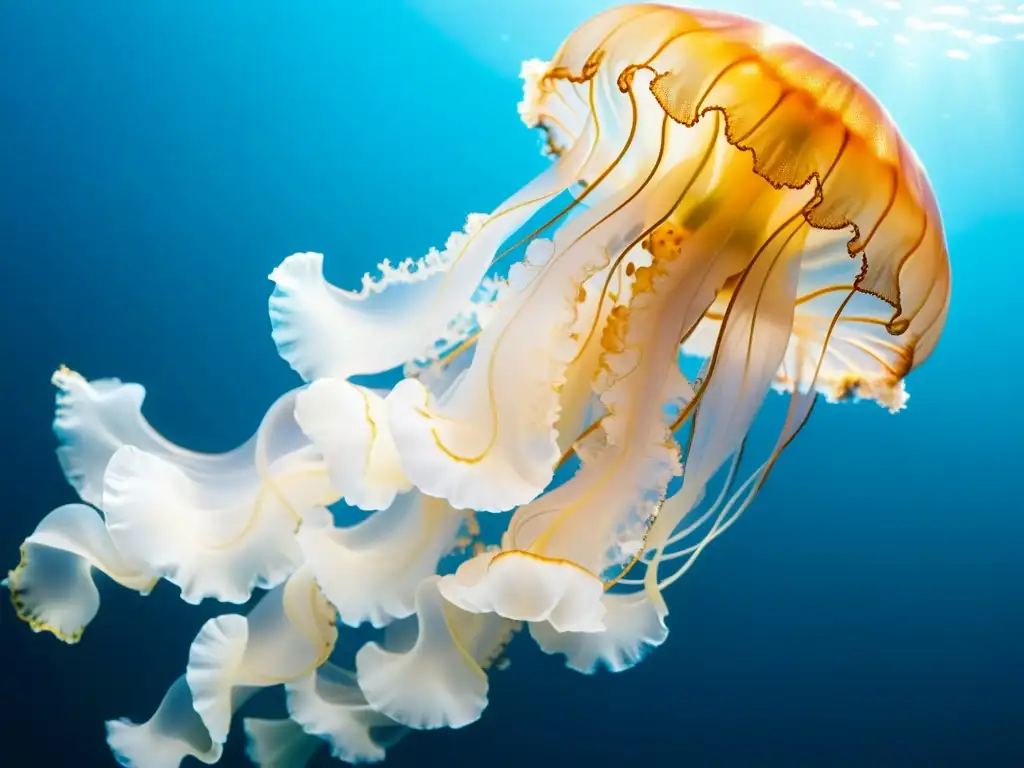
720,199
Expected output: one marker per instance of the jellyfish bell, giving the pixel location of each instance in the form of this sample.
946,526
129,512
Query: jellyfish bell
806,122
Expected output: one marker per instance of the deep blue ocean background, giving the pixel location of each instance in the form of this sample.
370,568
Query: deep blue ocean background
158,159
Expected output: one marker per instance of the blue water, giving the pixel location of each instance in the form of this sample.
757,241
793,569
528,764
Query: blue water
159,159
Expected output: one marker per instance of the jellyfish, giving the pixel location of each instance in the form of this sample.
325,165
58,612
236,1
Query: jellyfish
726,215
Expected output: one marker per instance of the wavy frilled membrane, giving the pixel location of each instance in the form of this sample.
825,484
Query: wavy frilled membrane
330,704
325,332
370,571
720,198
440,680
633,626
289,633
450,354
221,528
215,525
348,425
52,588
96,418
278,743
174,732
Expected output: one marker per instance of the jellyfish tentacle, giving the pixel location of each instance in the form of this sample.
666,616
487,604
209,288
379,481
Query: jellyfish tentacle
797,416
559,544
52,587
748,353
223,530
634,626
323,331
482,430
93,418
725,517
644,554
174,732
278,743
348,424
330,705
635,623
724,493
450,353
289,633
370,571
440,681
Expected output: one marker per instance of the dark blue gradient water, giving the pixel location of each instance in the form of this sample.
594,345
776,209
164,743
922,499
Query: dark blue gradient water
158,159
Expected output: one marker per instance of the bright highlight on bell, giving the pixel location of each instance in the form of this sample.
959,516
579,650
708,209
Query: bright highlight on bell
718,193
